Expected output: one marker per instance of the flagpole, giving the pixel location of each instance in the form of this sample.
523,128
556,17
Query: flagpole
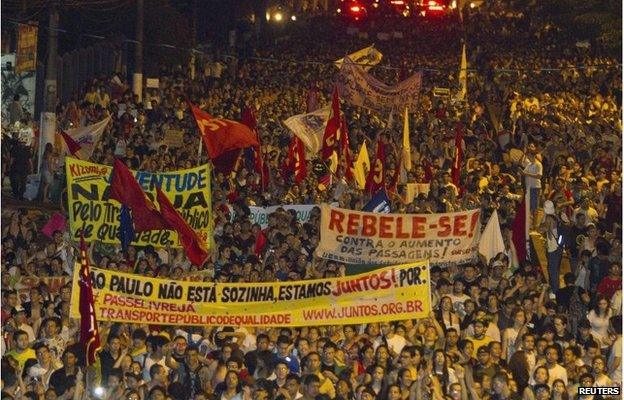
199,151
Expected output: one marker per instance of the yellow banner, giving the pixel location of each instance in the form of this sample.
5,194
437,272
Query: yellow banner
393,293
87,193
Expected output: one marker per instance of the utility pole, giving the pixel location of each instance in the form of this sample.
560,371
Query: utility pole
48,116
137,78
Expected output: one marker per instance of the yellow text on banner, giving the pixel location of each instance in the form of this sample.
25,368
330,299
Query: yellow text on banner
388,294
357,237
87,194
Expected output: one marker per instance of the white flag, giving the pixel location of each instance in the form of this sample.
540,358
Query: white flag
310,128
87,138
491,242
367,58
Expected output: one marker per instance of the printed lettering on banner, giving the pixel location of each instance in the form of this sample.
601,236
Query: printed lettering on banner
357,237
89,206
392,293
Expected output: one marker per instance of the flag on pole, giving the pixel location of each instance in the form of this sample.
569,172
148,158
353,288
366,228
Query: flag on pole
221,135
459,154
376,176
367,58
80,142
330,137
310,128
407,150
125,189
89,334
463,75
344,144
296,160
380,203
491,242
195,250
396,174
361,167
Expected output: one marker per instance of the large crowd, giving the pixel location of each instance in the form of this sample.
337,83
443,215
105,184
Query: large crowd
503,329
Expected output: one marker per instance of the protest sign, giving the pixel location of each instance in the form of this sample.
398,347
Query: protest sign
173,138
87,191
260,215
388,294
357,237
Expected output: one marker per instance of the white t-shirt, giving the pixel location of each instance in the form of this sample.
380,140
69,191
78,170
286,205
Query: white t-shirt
535,168
557,372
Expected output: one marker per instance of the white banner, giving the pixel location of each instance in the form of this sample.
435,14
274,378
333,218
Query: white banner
359,88
357,237
260,215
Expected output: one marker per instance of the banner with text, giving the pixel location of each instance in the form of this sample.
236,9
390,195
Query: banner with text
87,193
356,237
359,88
260,215
388,294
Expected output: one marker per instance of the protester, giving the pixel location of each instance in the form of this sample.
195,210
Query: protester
503,328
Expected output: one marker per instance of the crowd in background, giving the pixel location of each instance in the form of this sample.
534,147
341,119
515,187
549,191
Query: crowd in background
505,329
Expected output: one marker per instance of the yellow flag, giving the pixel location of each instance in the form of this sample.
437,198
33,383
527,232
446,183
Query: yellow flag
463,75
407,150
361,167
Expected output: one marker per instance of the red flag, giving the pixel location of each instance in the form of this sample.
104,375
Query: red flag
459,154
89,335
346,156
376,175
392,188
125,189
518,234
296,160
221,135
195,250
72,146
330,137
260,243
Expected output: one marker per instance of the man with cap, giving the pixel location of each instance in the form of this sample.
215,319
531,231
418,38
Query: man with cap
21,322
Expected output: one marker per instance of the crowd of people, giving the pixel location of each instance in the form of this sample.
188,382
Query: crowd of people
503,329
